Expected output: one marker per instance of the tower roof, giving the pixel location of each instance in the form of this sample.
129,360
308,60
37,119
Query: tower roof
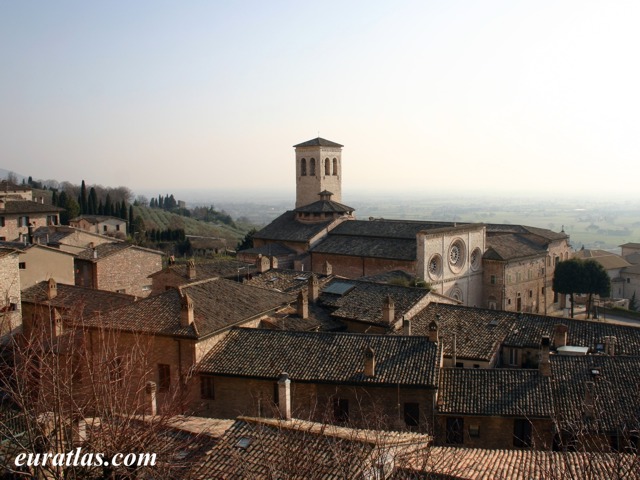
318,142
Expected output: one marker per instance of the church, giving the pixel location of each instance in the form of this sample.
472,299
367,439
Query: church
503,267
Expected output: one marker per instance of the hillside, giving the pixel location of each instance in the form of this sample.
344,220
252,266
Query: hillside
161,219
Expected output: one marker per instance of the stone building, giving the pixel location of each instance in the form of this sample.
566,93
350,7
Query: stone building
518,268
102,224
614,265
118,267
497,266
18,219
40,262
69,239
372,381
10,300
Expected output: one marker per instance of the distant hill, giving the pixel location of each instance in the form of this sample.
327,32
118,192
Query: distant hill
161,219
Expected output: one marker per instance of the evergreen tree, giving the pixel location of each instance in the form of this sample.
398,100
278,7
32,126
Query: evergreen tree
247,241
93,202
84,205
54,198
108,206
100,208
123,210
72,209
131,220
633,305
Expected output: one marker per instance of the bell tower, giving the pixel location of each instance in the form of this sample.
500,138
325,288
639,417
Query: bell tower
318,168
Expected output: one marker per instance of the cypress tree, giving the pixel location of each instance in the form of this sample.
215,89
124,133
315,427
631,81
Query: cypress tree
84,206
131,220
108,206
54,198
123,210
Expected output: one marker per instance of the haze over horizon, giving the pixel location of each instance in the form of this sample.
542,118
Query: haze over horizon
502,97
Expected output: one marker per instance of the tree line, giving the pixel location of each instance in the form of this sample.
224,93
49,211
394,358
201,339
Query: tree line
578,276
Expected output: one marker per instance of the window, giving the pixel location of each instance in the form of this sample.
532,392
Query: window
1,221
555,261
530,293
513,356
117,228
412,414
164,377
455,430
104,228
474,431
335,166
303,167
327,167
493,280
23,221
475,365
340,410
207,390
522,433
276,393
312,167
22,265
52,219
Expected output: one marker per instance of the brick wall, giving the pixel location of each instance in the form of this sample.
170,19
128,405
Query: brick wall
355,267
11,316
127,271
369,407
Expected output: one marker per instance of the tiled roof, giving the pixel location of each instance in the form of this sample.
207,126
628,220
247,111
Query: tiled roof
107,249
630,245
364,301
319,320
389,277
86,301
529,329
389,248
257,450
271,249
550,235
227,268
633,258
56,234
514,245
325,206
318,142
218,304
449,463
7,251
324,357
16,207
495,392
617,403
288,281
608,260
479,332
380,228
287,228
96,218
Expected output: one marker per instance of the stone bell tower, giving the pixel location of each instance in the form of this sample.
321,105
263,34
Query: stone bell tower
318,168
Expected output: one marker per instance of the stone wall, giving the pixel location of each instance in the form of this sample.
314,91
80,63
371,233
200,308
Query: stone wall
127,271
10,301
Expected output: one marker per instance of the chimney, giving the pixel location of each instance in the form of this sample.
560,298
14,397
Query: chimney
314,288
95,253
369,362
274,261
263,264
406,327
52,289
544,364
327,268
433,331
42,200
560,335
186,311
191,270
150,390
284,396
92,245
30,232
388,310
589,399
610,345
302,305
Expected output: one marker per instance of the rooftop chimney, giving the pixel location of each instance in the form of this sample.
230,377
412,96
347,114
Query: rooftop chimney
262,264
95,254
191,270
560,335
406,327
388,310
544,364
589,399
52,289
314,288
150,390
284,396
433,331
327,268
369,362
610,345
273,261
186,311
302,305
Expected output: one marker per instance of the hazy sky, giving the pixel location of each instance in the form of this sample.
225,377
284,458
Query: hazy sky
531,96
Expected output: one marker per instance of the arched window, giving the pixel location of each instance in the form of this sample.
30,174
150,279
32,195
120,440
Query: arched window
327,167
335,166
303,167
312,167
